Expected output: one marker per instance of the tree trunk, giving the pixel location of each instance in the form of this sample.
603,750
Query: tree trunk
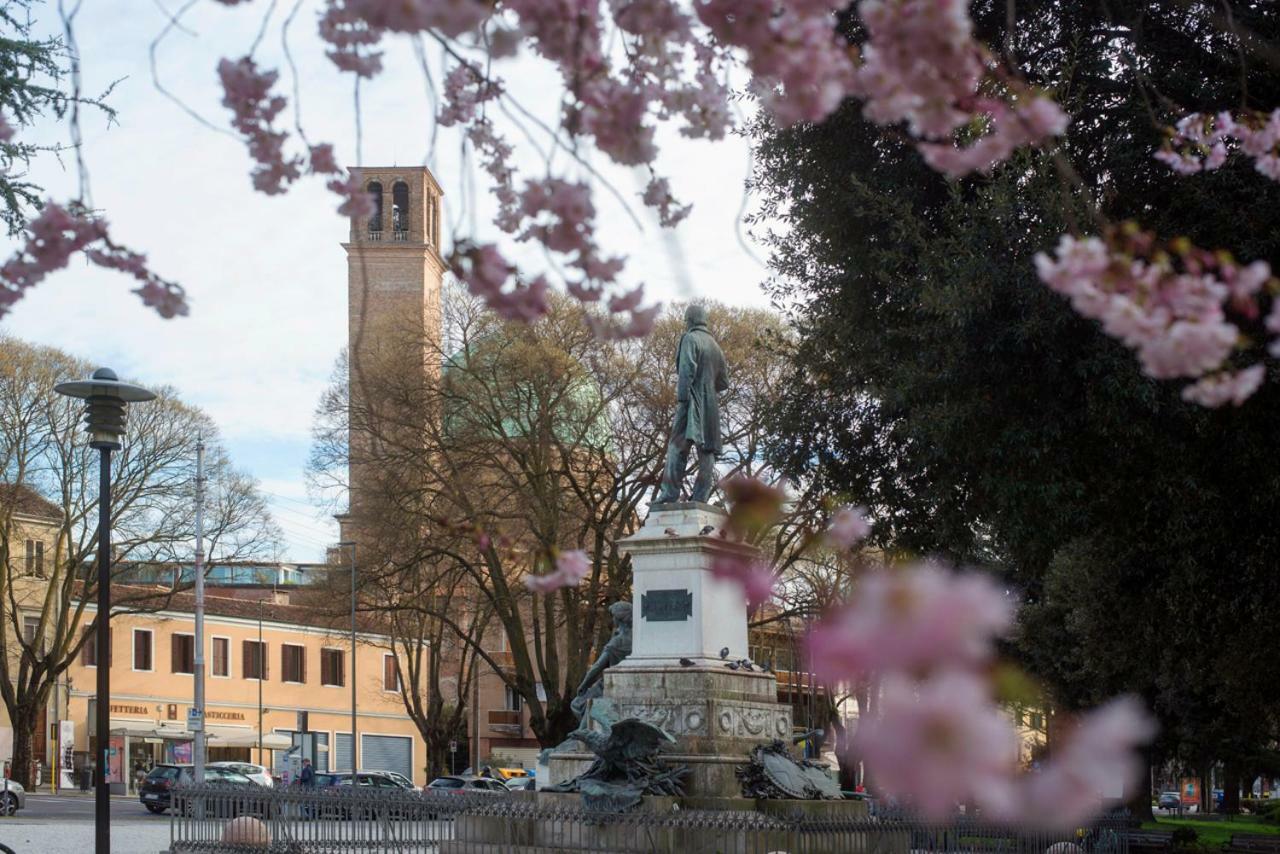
1231,787
23,739
1206,791
437,755
1139,802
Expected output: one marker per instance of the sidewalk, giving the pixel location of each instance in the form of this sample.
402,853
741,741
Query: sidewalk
72,793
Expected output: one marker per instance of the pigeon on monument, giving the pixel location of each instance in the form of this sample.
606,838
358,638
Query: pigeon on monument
732,665
724,653
706,529
685,662
671,532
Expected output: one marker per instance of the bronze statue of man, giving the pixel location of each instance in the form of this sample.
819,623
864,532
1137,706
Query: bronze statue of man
701,375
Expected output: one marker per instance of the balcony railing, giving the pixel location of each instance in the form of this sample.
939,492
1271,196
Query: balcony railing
375,234
400,236
505,721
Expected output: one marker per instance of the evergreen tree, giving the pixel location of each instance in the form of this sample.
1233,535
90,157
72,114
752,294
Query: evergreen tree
940,382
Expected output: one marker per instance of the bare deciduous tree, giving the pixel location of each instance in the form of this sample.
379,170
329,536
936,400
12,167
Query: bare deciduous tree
44,453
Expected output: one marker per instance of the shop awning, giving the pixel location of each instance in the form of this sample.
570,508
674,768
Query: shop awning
218,736
235,737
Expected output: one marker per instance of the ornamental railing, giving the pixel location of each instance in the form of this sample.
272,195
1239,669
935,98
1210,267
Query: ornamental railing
342,820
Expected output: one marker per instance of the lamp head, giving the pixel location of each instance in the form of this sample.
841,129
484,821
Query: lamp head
106,399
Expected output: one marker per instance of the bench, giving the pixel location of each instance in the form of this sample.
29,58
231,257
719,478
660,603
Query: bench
1150,840
1252,843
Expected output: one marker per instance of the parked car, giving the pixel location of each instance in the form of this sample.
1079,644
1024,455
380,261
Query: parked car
521,784
456,784
364,781
156,791
374,779
12,797
256,773
1170,801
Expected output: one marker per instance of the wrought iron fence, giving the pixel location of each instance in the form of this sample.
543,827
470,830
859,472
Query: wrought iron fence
343,820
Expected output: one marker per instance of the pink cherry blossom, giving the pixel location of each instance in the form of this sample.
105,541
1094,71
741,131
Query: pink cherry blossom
487,273
323,161
754,576
1174,304
56,235
938,743
802,67
1234,387
657,195
356,201
911,619
247,93
1202,143
848,526
1095,763
922,66
571,568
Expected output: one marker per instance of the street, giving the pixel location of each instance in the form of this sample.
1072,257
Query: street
63,824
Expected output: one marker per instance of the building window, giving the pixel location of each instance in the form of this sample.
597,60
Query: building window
293,663
221,657
514,700
253,657
184,653
142,649
89,652
400,209
375,220
390,673
333,667
35,558
30,628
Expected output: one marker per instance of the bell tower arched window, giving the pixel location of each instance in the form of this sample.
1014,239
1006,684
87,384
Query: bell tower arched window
400,211
375,219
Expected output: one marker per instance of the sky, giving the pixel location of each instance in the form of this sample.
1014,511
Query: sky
266,275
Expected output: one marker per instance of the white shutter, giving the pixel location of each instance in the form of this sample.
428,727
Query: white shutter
342,752
387,753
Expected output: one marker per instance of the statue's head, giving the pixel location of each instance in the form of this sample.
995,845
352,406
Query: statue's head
695,315
621,613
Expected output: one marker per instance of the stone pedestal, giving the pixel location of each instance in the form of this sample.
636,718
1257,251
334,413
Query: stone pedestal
681,611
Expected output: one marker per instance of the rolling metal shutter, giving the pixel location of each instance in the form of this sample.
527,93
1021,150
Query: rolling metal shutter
342,752
387,753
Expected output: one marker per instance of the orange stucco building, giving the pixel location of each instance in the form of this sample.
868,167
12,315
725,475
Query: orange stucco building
269,665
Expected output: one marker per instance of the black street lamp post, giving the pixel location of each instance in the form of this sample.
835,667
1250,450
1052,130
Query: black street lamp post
106,399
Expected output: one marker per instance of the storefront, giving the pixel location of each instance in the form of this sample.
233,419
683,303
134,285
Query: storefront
137,745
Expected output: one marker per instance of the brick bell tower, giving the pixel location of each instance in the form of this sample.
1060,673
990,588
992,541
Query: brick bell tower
394,277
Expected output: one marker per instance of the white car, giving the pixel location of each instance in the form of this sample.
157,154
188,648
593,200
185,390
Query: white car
256,773
12,797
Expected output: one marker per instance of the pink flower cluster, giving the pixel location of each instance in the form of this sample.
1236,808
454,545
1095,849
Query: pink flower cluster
802,68
247,93
1202,143
941,742
848,526
921,65
487,273
657,195
938,738
57,234
571,568
1171,303
754,576
911,620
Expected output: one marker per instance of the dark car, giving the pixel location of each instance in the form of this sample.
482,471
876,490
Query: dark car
364,781
456,784
1170,800
156,791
